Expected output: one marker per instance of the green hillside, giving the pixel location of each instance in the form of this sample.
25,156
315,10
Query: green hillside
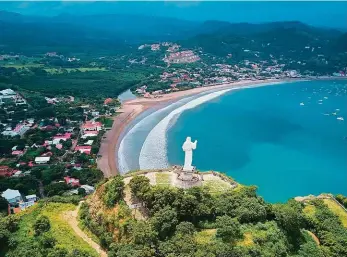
201,222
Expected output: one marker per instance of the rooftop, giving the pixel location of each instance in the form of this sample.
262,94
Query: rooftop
10,194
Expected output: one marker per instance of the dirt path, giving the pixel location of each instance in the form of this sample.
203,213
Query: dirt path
71,218
314,237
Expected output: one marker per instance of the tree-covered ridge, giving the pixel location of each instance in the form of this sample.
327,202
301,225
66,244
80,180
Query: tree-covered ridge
194,222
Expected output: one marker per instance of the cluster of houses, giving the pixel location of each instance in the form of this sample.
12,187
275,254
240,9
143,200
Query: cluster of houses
19,130
8,57
16,202
62,57
56,100
8,95
187,56
142,92
170,47
154,47
53,135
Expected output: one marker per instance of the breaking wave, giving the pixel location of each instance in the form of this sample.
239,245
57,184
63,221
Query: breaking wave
123,164
153,154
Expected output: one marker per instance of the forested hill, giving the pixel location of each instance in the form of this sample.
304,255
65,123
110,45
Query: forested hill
36,35
109,31
271,38
299,46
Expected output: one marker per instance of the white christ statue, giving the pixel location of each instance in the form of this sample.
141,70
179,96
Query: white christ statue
188,147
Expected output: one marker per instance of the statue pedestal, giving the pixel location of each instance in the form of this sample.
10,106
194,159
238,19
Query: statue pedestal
187,175
187,179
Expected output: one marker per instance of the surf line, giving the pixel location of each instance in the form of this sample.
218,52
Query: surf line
153,153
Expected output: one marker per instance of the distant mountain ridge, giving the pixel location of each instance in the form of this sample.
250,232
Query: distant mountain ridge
114,30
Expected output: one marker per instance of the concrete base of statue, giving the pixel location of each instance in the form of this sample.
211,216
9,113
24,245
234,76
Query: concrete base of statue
186,175
187,179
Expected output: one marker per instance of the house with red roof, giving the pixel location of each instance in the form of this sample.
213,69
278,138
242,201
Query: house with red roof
64,137
59,146
92,126
108,100
72,181
83,149
6,171
17,152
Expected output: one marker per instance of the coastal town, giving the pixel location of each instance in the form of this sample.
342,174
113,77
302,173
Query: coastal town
69,139
163,129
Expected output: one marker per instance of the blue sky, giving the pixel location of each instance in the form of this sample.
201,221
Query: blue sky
327,14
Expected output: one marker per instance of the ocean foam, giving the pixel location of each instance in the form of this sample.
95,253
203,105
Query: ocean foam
123,165
154,151
153,154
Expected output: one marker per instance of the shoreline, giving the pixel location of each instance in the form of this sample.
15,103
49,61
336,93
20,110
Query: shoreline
131,109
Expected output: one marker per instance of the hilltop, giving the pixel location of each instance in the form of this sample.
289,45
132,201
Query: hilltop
144,214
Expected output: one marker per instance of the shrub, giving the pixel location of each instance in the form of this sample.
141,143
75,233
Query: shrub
41,225
113,191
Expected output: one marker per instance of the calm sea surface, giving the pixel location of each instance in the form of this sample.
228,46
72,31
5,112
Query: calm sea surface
286,139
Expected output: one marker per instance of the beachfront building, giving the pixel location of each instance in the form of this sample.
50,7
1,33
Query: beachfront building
89,134
91,126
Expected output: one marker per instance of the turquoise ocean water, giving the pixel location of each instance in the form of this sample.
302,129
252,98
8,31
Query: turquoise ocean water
286,139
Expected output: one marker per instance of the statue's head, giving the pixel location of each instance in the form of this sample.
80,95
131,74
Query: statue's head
189,139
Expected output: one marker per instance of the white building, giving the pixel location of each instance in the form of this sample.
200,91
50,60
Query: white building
20,129
42,160
9,132
88,189
12,196
31,198
7,94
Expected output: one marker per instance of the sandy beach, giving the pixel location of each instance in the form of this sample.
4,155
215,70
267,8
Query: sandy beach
108,162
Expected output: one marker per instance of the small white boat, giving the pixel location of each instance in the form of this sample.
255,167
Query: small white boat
302,104
337,110
334,113
340,118
325,97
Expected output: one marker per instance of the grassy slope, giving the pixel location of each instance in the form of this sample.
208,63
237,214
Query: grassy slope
337,209
60,230
216,186
162,179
